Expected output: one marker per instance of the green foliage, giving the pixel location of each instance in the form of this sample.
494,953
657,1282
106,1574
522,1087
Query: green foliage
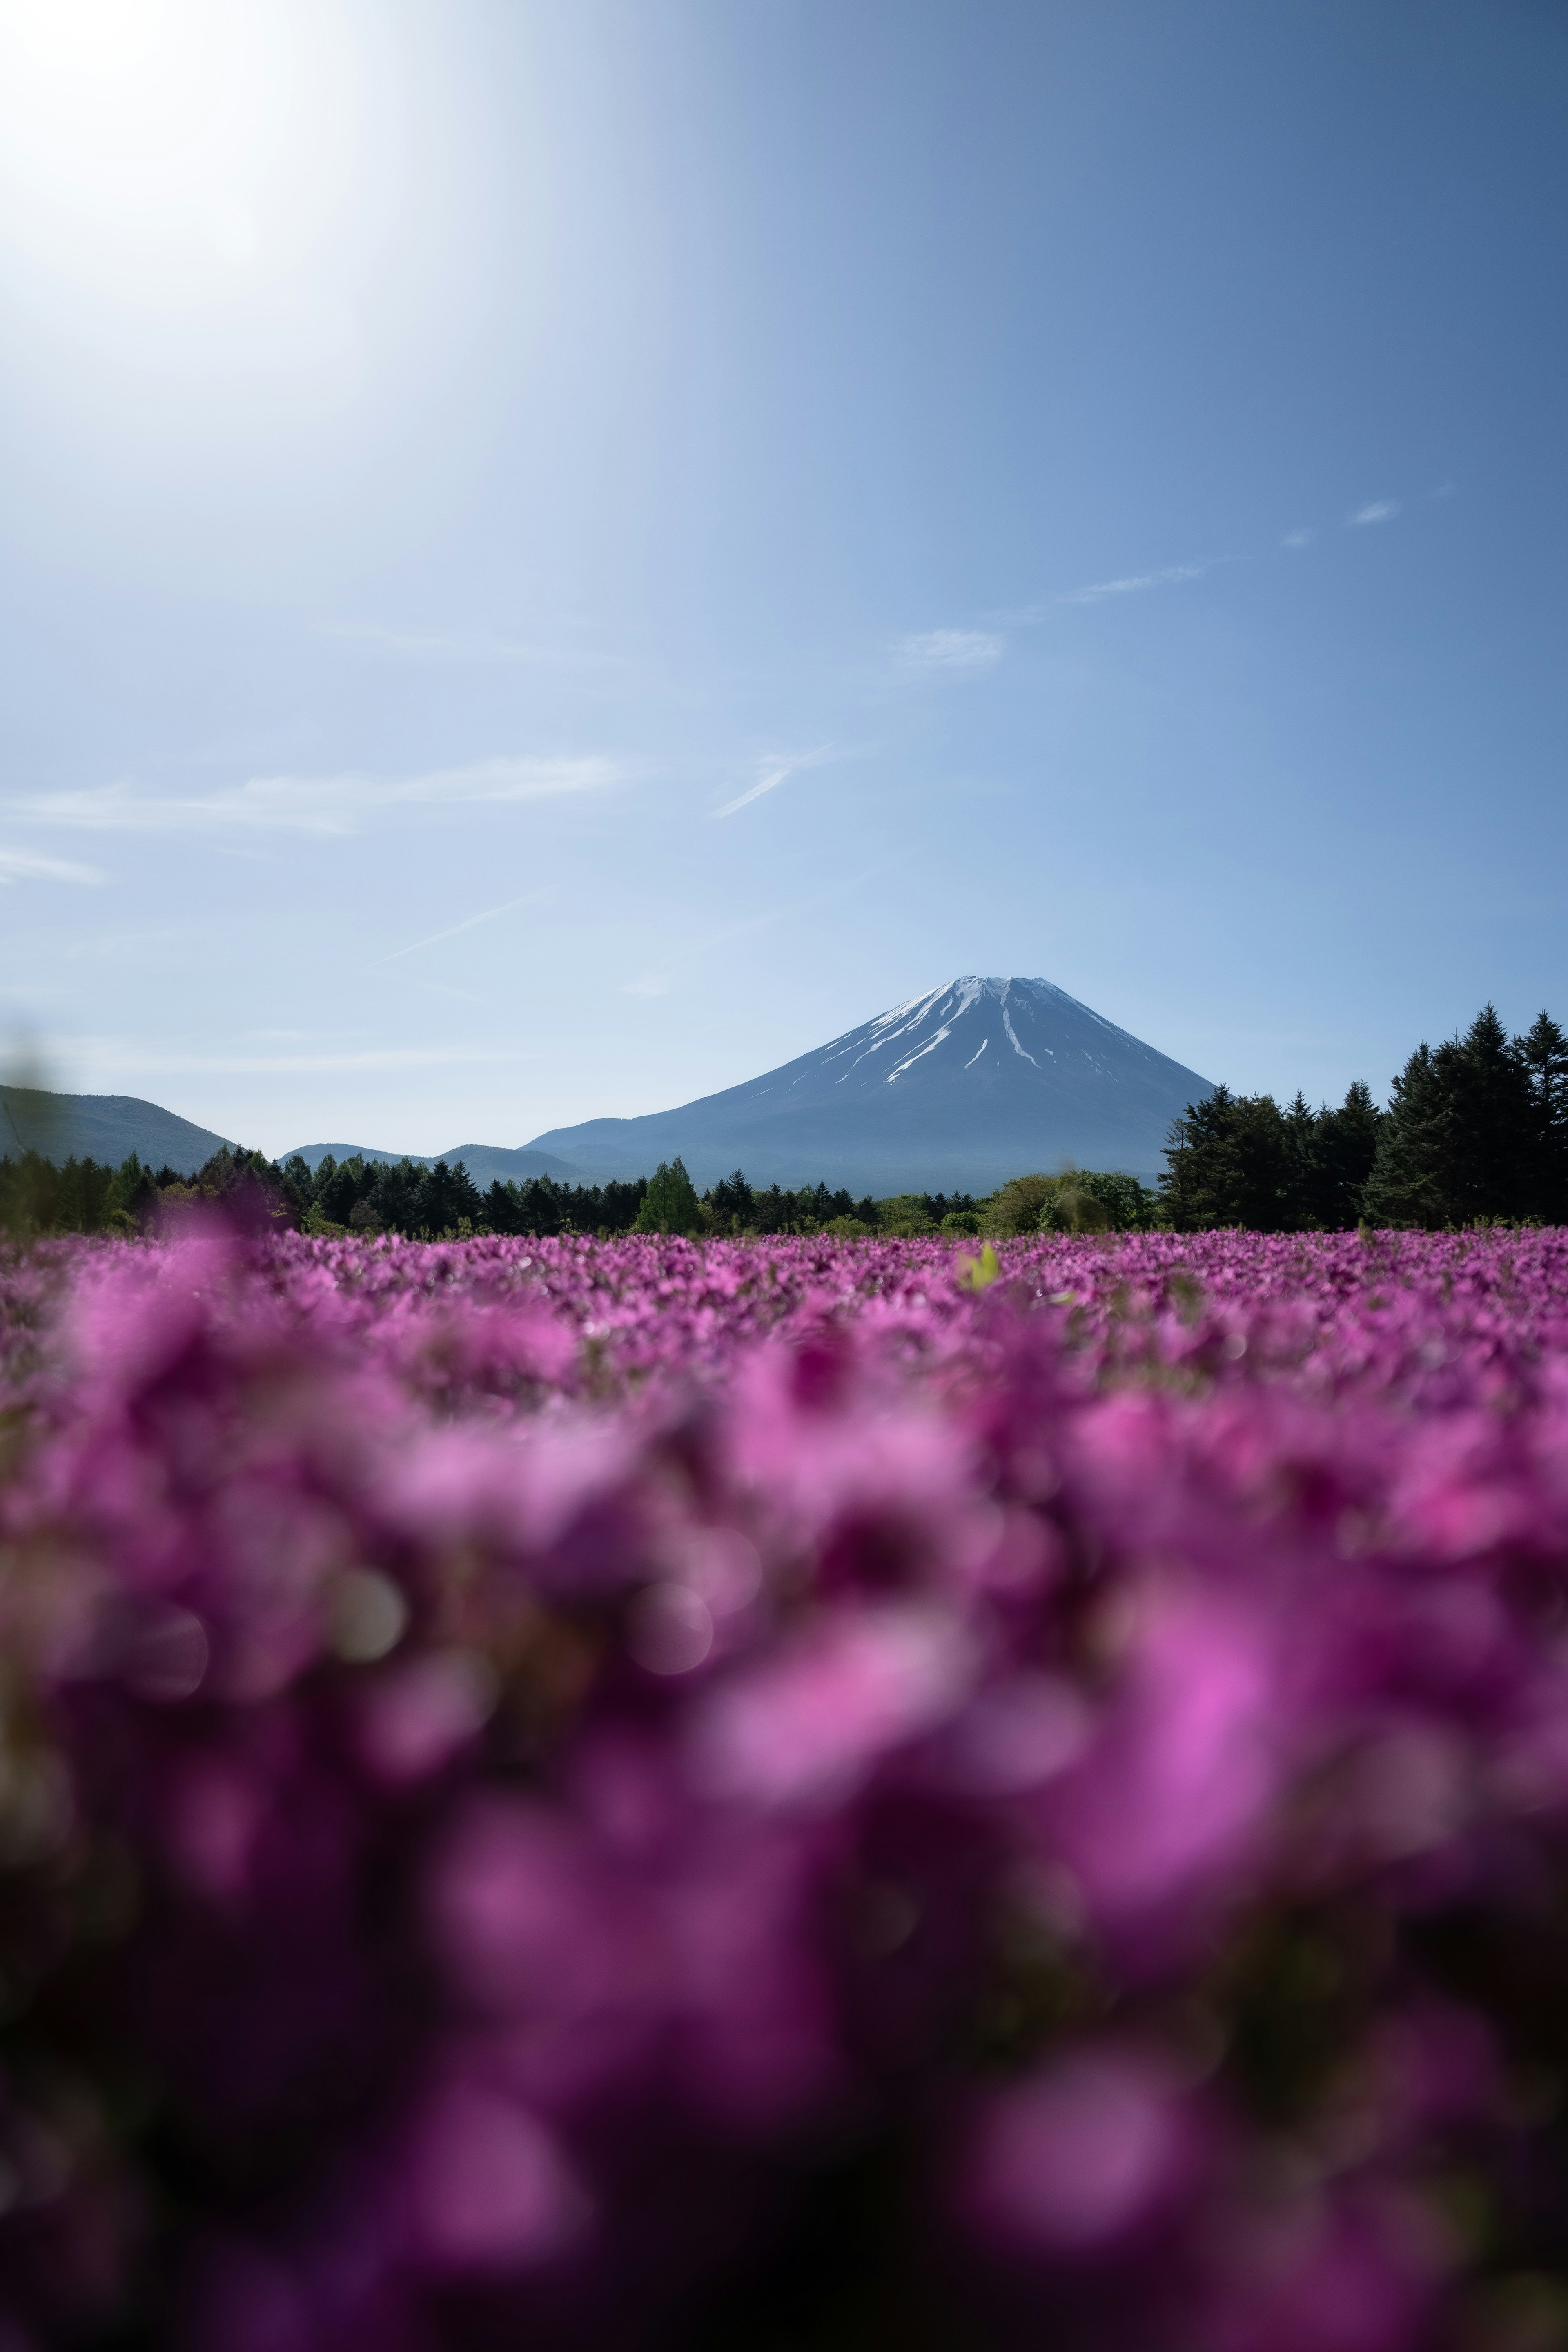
1337,1160
1130,1207
1078,1201
1071,1209
542,1206
1015,1209
1228,1162
1543,1056
730,1206
671,1205
1404,1186
1239,1160
979,1273
84,1196
904,1216
961,1221
735,1207
1476,1129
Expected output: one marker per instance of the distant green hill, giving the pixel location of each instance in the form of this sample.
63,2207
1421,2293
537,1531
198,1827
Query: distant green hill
106,1128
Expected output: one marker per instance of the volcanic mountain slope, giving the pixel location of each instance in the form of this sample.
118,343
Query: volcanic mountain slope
957,1090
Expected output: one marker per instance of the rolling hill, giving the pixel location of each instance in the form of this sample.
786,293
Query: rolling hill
107,1127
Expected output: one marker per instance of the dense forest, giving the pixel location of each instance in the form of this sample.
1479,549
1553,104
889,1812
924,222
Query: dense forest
368,1197
1477,1129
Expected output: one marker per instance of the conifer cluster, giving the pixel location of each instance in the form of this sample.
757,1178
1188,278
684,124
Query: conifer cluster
1476,1130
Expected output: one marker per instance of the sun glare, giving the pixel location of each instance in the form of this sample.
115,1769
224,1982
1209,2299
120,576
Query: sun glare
111,78
168,156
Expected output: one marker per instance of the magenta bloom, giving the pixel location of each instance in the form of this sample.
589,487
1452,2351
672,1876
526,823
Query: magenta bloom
657,1796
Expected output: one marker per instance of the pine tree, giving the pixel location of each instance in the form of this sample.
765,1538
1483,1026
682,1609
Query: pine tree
1488,1171
1345,1144
1299,1205
732,1202
1405,1186
1543,1054
1227,1164
1192,1147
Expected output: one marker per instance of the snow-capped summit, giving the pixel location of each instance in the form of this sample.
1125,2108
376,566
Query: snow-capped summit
957,1089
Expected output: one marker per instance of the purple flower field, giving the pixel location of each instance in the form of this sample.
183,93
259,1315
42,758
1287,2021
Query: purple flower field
786,1797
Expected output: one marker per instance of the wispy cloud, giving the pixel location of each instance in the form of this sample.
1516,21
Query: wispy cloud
476,645
1173,577
132,1060
1377,510
22,865
1302,538
318,804
950,653
771,772
470,923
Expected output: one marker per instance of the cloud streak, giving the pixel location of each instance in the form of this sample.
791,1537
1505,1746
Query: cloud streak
1375,510
771,773
470,922
1173,577
22,865
132,1062
323,806
467,645
950,653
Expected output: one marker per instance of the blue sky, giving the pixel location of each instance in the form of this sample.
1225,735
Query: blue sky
555,556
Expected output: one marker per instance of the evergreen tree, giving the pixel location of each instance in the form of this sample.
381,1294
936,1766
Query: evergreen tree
339,1187
395,1196
1405,1186
1488,1171
1227,1164
1461,1138
1543,1054
732,1203
446,1196
1299,1149
1345,1147
503,1209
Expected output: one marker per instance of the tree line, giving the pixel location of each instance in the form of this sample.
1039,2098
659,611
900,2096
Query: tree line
366,1197
1476,1129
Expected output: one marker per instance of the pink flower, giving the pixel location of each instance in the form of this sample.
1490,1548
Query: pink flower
1080,2156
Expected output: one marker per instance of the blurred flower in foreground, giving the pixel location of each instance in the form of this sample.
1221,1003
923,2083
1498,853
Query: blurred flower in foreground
784,1795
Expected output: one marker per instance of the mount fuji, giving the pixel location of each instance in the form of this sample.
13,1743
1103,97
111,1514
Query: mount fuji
954,1091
